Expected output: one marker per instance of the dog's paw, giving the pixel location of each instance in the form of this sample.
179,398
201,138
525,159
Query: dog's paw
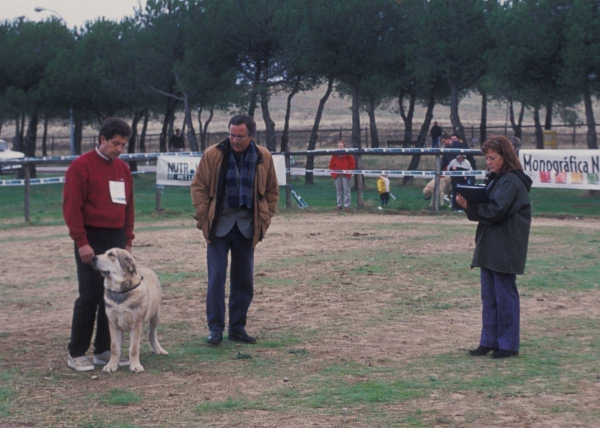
110,368
136,368
160,351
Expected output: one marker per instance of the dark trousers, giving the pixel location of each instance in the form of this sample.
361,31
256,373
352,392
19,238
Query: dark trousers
89,306
241,276
384,198
501,310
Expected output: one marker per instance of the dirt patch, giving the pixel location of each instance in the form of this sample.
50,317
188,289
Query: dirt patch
376,300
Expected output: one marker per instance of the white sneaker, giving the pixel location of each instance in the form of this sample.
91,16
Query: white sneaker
103,358
80,364
379,208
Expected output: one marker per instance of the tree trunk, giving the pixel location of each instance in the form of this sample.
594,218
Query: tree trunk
169,114
373,126
45,137
133,138
592,137
314,134
407,115
457,126
254,91
548,121
483,120
271,141
144,129
30,143
539,133
191,132
78,132
414,162
517,127
18,139
22,136
204,128
285,136
356,143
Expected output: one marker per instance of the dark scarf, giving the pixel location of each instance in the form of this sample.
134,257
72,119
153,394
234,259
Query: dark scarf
242,195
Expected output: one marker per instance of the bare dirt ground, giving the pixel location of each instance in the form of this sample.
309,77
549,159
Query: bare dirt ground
331,294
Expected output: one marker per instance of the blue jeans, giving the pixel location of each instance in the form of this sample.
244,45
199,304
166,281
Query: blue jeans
241,287
501,310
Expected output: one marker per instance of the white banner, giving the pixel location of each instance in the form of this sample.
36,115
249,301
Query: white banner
563,169
180,170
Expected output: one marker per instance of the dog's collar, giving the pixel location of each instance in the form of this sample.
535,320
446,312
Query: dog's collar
132,288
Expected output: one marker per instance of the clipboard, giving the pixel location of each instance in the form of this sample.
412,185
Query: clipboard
473,193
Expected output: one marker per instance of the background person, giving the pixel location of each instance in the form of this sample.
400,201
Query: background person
99,211
501,246
435,132
457,143
342,162
383,187
176,143
460,163
235,193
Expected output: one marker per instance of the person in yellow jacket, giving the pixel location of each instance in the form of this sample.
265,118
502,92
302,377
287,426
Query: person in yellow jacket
383,187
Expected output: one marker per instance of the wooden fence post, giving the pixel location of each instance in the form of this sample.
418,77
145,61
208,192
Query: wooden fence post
288,184
436,187
27,191
159,190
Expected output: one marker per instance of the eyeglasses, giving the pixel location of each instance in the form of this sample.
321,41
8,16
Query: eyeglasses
237,137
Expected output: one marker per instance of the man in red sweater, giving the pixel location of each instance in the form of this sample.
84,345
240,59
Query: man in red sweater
342,181
99,212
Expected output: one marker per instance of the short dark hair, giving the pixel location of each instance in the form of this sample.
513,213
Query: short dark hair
500,144
243,119
114,126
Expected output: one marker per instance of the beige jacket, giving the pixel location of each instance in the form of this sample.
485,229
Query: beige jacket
208,190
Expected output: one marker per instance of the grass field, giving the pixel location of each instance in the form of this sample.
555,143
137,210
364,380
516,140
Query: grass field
363,320
46,201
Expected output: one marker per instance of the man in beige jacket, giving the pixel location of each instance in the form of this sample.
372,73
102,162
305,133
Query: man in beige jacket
235,193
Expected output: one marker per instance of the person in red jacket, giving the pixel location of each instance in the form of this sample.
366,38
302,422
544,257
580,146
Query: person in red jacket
342,181
99,212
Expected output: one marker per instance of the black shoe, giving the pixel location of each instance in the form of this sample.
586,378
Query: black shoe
215,337
481,351
241,336
501,353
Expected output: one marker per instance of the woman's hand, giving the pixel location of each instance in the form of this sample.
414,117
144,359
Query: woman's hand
461,201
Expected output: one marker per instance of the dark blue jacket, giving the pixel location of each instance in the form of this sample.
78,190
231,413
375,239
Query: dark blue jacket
503,231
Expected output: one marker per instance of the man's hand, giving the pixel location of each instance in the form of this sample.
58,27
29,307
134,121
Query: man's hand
86,253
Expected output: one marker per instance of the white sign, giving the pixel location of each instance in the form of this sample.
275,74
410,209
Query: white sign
566,169
180,170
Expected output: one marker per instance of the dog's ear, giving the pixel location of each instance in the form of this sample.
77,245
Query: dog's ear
127,263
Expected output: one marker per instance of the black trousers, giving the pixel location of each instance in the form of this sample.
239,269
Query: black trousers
89,306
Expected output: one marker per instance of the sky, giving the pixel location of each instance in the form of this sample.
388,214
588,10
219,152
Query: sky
74,12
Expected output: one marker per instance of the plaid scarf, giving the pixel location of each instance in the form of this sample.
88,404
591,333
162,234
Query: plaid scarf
240,184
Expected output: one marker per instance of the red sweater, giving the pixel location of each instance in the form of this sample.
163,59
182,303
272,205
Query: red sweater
87,200
343,162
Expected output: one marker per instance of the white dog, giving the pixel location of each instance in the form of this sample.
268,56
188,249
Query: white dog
445,190
131,297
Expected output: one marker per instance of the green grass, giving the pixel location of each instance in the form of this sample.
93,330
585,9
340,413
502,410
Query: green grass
46,201
228,405
121,397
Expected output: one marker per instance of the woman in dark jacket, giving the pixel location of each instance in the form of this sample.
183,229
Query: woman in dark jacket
501,246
